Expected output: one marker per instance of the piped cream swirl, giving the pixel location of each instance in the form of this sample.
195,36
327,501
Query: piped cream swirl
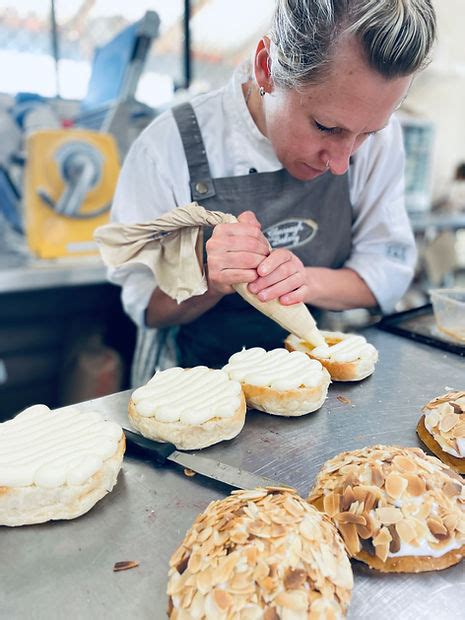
278,369
50,449
189,396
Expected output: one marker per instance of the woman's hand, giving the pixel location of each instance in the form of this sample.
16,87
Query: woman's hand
281,275
234,252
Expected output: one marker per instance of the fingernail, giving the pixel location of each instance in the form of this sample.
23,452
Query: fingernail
253,288
262,296
263,270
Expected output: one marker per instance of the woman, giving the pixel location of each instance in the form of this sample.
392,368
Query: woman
304,150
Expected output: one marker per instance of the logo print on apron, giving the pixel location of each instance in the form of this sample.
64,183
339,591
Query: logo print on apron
291,233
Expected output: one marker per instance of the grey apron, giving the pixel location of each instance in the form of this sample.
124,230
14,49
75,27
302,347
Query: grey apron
311,218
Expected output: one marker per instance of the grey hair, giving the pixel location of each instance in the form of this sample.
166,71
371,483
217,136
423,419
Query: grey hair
396,36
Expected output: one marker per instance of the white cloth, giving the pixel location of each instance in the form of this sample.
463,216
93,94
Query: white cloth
155,179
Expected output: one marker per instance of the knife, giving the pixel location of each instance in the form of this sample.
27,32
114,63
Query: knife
228,474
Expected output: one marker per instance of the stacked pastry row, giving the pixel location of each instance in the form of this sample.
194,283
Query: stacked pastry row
195,408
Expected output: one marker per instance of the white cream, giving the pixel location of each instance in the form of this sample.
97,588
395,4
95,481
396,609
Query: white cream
190,396
278,369
50,449
425,549
350,348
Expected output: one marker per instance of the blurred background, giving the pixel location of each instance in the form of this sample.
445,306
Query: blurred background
80,79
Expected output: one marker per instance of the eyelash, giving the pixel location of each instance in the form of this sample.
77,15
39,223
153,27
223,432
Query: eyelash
323,129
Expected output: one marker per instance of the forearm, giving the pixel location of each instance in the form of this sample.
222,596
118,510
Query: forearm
337,289
163,311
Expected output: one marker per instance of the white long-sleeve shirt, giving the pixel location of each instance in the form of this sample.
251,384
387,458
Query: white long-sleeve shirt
155,179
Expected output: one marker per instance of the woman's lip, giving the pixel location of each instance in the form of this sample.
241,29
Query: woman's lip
312,168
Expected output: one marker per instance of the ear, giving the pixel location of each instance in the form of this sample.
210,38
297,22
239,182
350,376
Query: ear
262,65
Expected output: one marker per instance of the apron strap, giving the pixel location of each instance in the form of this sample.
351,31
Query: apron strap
200,180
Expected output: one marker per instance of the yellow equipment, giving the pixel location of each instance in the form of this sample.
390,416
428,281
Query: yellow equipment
69,184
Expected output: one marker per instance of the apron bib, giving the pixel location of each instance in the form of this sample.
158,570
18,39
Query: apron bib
311,218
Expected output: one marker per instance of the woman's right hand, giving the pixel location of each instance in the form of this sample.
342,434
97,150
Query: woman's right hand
234,252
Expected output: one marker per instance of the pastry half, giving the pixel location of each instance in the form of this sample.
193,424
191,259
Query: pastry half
190,408
260,554
56,465
347,357
279,382
397,509
442,429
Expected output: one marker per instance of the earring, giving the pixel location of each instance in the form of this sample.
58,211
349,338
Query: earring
262,91
327,163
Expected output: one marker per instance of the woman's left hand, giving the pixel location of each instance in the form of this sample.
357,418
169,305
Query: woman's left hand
281,275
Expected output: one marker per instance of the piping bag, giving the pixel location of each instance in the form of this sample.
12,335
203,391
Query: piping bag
172,248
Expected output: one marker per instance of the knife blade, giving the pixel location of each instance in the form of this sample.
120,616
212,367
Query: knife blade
210,468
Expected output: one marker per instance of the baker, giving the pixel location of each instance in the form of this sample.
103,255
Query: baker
302,147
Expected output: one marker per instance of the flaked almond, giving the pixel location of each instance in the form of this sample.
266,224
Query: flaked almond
406,532
351,539
223,600
382,552
437,528
451,489
459,431
271,614
332,504
389,515
395,485
294,579
383,537
344,400
347,498
296,600
125,565
350,517
189,472
448,422
416,486
404,463
450,521
377,476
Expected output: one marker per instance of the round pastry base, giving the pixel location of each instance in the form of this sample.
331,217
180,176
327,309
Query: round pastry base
432,444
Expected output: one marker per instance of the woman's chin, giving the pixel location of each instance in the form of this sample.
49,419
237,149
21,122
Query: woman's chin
304,172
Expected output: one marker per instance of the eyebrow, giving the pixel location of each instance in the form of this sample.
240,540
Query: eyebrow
337,126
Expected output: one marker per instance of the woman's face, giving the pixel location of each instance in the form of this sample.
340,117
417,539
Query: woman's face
328,122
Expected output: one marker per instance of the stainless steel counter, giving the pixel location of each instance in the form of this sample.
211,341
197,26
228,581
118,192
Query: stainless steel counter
64,569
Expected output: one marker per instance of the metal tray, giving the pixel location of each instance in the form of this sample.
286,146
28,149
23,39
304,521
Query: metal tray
419,324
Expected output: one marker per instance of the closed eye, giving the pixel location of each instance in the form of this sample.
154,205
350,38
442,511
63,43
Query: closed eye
324,129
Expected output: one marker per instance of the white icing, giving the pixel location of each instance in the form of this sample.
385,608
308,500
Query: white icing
278,369
350,348
190,396
50,449
425,549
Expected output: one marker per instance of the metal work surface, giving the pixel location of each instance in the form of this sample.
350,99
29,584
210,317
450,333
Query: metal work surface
64,569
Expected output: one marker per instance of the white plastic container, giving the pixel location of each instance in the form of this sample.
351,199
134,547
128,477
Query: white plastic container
449,311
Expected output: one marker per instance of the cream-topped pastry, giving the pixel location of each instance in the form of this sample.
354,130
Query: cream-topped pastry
262,554
279,382
347,357
442,428
397,509
56,464
191,408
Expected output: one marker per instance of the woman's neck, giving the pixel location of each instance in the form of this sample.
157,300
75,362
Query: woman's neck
254,104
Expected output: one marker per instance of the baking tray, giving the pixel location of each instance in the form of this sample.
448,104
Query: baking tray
419,324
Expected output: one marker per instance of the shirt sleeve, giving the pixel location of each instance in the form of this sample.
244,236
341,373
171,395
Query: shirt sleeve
383,245
142,194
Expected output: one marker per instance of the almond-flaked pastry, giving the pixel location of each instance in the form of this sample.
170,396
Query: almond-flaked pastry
260,554
56,465
279,382
397,509
347,357
442,428
190,408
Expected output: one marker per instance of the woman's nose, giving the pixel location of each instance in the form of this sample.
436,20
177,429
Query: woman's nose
339,156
